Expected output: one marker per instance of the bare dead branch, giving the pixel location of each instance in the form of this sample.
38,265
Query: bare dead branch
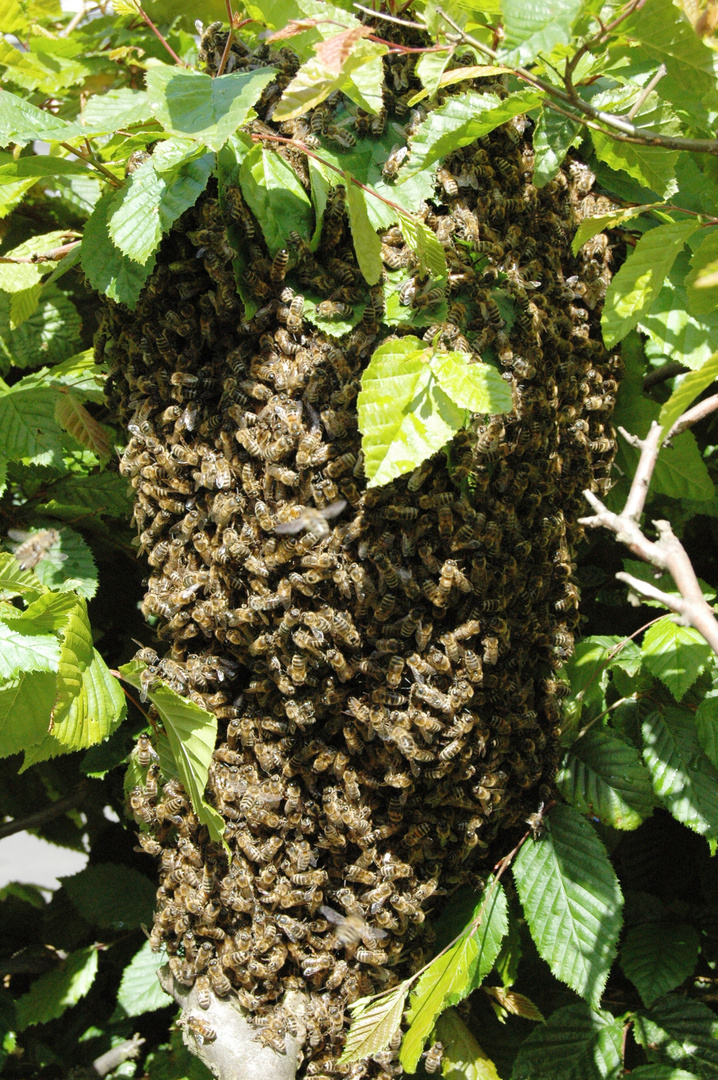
666,553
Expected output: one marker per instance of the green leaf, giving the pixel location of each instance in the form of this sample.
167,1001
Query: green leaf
638,282
25,649
429,252
553,136
663,581
572,901
672,329
69,566
15,277
670,40
452,976
680,1032
471,385
312,85
363,81
116,109
603,776
707,726
192,735
373,1025
22,123
575,1043
140,991
208,110
429,69
463,1058
658,957
74,418
89,702
675,654
683,777
158,192
59,989
461,120
42,165
591,226
50,330
652,166
661,1072
532,27
111,895
25,708
701,295
17,582
103,493
108,270
275,196
687,390
28,428
367,244
404,416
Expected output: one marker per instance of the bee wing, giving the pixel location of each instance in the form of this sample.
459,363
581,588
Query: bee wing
331,915
291,526
333,509
19,535
375,934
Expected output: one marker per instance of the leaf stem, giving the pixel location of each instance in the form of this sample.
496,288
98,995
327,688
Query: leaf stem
228,42
91,160
160,36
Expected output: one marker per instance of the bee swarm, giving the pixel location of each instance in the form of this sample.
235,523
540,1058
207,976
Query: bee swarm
383,672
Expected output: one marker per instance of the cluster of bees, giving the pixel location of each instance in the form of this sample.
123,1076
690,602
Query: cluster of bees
383,662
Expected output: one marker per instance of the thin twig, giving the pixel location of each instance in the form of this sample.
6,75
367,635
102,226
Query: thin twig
666,553
48,256
575,108
41,817
663,374
662,70
143,14
90,159
228,42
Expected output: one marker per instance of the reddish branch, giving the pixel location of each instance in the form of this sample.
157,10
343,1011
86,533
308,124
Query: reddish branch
667,552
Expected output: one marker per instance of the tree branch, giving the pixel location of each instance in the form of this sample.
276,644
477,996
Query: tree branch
56,809
666,553
235,1053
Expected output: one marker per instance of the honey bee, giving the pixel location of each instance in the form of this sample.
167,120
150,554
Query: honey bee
33,547
351,929
313,520
202,987
333,309
434,1055
197,1026
447,181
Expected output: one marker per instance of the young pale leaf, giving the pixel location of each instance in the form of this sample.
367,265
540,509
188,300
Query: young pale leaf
680,1032
533,26
463,1058
374,1024
638,282
25,707
155,196
72,415
111,895
508,1001
429,69
700,281
116,109
59,989
108,269
658,956
363,81
661,1072
90,703
453,975
683,778
473,386
422,241
140,991
312,84
572,901
275,196
192,735
575,1043
42,165
367,244
460,121
208,110
707,726
398,416
552,138
17,582
687,390
675,654
605,776
22,123
15,277
591,226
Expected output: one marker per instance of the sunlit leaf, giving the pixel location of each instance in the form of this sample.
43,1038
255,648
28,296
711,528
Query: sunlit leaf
533,26
140,991
572,901
72,415
463,1058
373,1024
367,244
675,654
59,989
552,138
108,269
275,196
603,776
683,778
25,708
680,1032
575,1043
688,389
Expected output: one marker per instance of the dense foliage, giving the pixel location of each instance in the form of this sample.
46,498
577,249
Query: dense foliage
594,943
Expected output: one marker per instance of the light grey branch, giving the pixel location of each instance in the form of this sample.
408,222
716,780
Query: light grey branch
666,553
235,1053
109,1061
